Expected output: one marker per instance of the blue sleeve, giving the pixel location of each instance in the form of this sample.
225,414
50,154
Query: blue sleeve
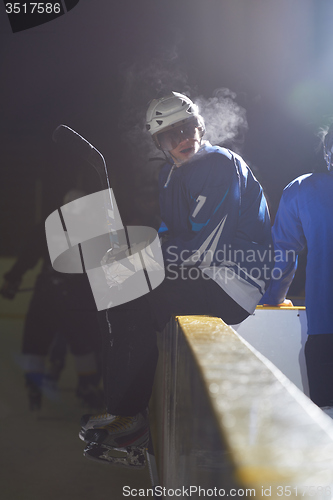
288,240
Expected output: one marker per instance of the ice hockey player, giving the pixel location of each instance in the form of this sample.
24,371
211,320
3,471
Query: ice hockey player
217,256
61,312
304,219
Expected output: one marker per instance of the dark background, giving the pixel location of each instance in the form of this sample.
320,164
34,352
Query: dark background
96,67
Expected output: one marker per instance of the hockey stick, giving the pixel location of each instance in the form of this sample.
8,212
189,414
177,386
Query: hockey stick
67,137
73,141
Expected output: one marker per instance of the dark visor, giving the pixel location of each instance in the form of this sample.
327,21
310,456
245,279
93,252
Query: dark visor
170,139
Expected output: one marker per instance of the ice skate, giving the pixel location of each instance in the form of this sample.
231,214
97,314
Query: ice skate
89,422
121,432
131,457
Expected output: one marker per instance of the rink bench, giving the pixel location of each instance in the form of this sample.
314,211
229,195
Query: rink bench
225,417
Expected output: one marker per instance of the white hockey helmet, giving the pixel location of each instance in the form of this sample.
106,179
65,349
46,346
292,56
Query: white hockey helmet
328,147
171,111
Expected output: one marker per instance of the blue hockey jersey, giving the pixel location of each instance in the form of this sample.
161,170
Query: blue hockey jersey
218,220
304,218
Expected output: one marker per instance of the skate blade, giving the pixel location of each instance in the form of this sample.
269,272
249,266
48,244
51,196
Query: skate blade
143,444
131,457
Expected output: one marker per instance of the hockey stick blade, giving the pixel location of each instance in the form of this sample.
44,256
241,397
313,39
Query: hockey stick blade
78,145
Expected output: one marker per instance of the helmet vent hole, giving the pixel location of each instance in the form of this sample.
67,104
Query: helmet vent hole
159,122
158,113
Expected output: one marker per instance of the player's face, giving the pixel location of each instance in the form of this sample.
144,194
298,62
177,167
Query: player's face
188,143
186,148
181,141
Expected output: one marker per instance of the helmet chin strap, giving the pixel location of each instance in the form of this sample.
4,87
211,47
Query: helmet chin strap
178,163
167,159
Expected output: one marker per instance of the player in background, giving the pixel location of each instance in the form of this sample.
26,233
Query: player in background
304,219
61,307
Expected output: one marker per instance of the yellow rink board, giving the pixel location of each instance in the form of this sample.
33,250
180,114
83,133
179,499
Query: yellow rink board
277,437
291,308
